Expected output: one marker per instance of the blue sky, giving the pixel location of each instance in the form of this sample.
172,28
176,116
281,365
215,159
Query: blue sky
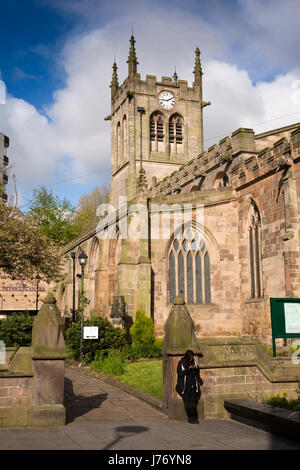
56,57
29,37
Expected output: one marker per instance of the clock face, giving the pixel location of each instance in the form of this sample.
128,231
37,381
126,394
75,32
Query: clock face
166,99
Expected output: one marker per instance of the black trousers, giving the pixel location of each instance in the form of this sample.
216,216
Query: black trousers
190,407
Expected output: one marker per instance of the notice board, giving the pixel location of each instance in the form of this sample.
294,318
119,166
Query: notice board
285,319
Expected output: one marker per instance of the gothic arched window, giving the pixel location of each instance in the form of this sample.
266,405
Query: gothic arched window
176,133
118,144
189,268
157,132
255,252
124,138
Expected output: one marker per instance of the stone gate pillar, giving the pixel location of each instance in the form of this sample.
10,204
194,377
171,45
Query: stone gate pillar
48,347
179,336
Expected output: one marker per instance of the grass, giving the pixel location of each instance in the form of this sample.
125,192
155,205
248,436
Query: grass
144,376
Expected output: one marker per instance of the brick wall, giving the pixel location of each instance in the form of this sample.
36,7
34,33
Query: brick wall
238,382
15,392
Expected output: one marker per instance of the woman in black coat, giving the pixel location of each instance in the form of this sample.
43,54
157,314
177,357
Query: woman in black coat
188,385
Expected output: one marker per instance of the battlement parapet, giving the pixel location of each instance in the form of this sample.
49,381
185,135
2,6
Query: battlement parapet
238,157
149,86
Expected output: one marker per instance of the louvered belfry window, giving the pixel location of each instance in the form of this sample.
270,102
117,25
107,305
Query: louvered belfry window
157,132
189,268
176,134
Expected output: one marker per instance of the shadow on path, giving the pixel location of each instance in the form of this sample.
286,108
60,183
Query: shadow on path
125,431
78,405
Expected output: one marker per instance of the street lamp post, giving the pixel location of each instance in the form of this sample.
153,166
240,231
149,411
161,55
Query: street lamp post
38,279
82,261
73,256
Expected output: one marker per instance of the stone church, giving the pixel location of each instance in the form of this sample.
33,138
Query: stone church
152,244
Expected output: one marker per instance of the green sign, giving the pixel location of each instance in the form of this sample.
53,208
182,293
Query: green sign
285,318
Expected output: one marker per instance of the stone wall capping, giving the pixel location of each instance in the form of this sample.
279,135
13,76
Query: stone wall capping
262,152
295,132
278,131
224,140
180,352
280,142
243,130
167,80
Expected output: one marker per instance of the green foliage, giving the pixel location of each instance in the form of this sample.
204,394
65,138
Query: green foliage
280,352
2,189
159,342
113,364
132,353
294,347
109,338
54,217
16,330
86,213
280,400
25,251
142,331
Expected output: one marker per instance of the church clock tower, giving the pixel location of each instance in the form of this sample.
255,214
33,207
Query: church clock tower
160,120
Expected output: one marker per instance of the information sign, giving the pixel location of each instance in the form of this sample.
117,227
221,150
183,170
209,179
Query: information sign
90,332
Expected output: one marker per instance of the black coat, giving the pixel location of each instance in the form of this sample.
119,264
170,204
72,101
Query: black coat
183,374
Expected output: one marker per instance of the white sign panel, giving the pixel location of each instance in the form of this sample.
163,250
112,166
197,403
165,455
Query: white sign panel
292,317
90,332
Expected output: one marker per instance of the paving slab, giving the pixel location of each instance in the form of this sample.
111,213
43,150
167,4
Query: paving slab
101,417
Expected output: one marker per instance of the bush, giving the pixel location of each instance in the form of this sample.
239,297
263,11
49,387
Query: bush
113,364
109,338
132,353
142,331
280,400
16,330
159,342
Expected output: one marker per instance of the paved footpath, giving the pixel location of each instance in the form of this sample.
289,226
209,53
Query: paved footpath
103,417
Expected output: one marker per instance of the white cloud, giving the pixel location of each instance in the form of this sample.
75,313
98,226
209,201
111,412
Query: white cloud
33,152
74,130
237,102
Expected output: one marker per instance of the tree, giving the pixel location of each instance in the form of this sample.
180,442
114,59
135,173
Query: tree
86,214
142,331
53,217
25,251
2,190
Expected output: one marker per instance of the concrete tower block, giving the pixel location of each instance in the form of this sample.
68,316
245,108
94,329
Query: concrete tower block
48,361
179,336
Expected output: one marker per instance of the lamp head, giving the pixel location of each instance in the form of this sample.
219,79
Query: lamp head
82,258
